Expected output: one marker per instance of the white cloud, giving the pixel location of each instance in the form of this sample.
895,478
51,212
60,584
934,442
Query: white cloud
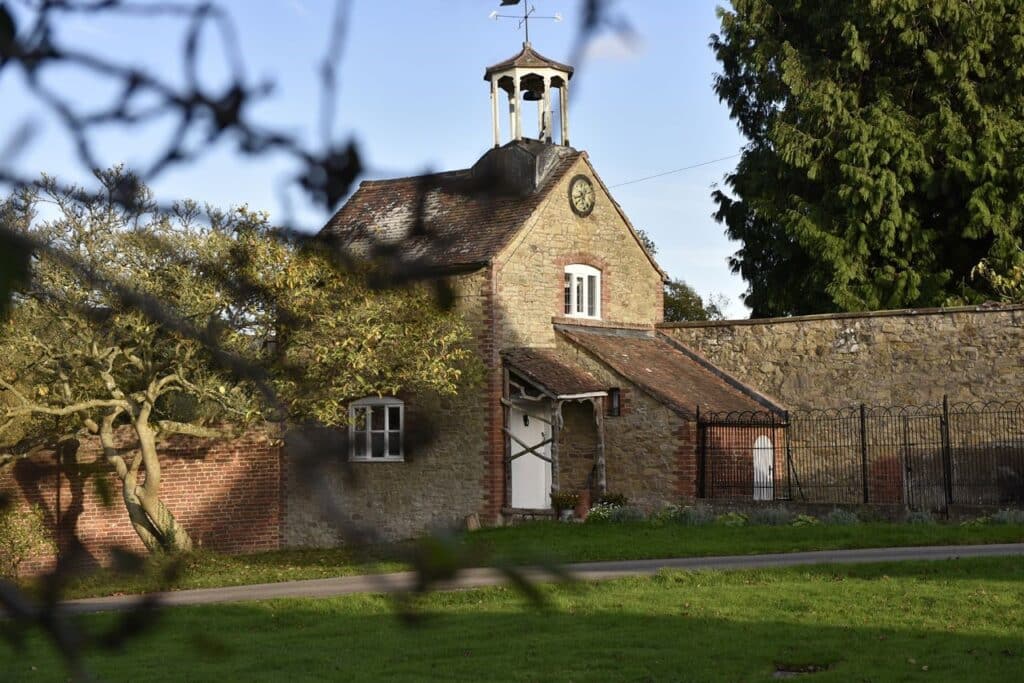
613,47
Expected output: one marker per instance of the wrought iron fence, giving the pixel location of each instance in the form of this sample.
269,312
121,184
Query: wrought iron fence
923,457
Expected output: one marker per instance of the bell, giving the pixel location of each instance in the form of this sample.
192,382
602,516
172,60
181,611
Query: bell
533,96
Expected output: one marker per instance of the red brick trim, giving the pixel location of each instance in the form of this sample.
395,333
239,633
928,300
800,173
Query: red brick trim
493,452
687,454
584,258
608,324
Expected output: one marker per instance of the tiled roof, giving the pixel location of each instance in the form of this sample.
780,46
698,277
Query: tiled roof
528,58
680,379
546,368
458,218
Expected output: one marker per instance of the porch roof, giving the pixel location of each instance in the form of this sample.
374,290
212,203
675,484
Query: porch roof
666,370
554,374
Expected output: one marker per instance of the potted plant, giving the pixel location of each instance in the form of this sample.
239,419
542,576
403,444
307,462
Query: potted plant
564,503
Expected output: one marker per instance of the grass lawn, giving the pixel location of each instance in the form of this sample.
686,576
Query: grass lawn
550,541
957,620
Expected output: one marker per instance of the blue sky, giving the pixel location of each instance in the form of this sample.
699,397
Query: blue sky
412,93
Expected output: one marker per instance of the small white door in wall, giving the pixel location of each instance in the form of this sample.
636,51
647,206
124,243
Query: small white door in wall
764,460
531,476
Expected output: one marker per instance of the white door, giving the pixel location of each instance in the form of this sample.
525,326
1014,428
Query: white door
531,476
764,459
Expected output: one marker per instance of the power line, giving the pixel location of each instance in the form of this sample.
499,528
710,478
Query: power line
676,170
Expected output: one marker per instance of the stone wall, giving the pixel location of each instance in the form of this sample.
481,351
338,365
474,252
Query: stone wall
227,495
577,446
882,358
529,271
443,479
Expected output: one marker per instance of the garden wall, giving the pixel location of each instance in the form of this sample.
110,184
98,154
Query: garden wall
227,494
906,357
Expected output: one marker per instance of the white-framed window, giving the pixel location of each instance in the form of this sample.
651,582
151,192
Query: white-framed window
582,291
376,425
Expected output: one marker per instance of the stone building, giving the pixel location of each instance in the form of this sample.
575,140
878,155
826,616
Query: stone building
582,392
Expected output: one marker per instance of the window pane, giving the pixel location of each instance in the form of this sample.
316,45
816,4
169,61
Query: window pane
394,417
377,440
394,443
359,419
592,295
359,444
378,417
568,294
579,294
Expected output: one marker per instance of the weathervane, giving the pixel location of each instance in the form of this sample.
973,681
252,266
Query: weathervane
524,20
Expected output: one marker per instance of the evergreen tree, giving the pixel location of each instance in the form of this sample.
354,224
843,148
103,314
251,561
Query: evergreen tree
886,150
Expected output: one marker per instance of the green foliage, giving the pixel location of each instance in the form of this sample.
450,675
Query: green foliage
188,321
615,499
840,517
23,533
686,515
731,519
335,337
805,520
885,146
610,513
770,516
1007,285
564,500
683,303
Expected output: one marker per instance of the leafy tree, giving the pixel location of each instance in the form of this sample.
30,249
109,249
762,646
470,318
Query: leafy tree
1009,287
161,323
886,139
683,303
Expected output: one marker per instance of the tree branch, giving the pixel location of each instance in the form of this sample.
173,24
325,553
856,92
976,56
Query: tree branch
172,427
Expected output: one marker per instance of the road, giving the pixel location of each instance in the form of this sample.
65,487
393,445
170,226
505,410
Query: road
585,571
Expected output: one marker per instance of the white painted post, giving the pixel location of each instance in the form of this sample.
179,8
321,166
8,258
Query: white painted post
563,93
517,121
495,121
545,126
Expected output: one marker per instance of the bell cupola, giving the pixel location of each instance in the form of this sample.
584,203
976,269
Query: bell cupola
530,77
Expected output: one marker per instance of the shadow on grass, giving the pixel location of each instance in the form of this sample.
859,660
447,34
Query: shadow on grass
340,641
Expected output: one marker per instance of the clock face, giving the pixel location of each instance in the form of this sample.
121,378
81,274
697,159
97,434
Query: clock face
581,195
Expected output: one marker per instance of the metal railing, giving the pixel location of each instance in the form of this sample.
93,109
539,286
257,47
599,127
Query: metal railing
922,457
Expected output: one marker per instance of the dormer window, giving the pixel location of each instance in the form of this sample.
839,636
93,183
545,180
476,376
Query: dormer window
582,291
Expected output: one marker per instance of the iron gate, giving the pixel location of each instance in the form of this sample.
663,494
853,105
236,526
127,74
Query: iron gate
922,457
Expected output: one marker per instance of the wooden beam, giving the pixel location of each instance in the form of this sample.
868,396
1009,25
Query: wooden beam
526,448
602,477
556,429
506,410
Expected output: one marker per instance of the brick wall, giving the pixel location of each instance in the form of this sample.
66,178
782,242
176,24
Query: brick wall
881,358
227,495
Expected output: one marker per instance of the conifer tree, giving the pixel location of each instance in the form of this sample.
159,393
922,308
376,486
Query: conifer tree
886,150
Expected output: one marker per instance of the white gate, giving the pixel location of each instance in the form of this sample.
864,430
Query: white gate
764,469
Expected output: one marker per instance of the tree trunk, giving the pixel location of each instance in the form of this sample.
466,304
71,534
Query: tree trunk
171,535
153,522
